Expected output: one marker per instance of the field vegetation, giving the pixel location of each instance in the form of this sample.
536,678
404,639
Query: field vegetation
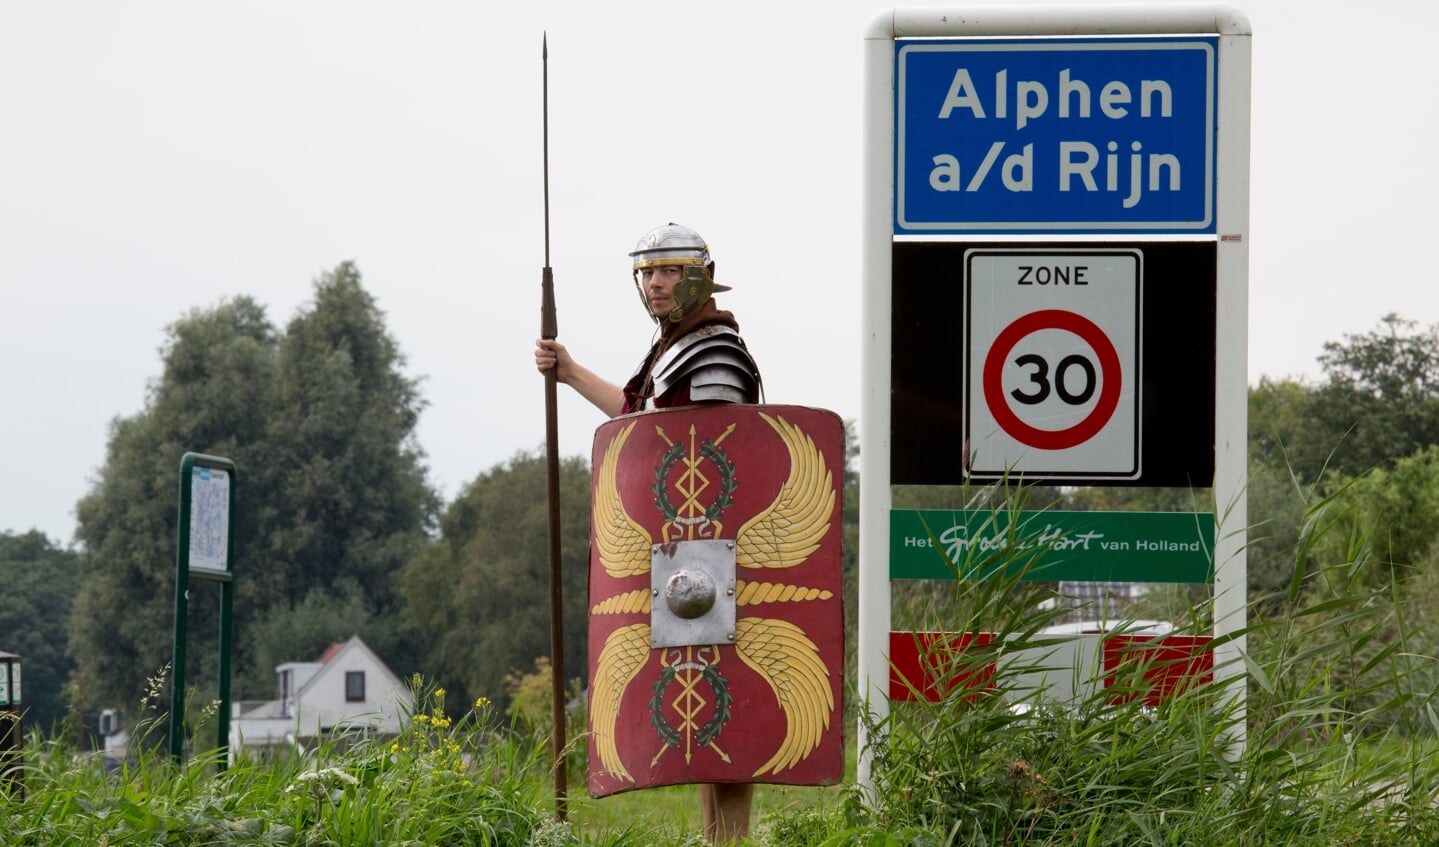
1338,725
344,535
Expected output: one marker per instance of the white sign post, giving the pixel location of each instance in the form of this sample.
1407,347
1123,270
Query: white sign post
1054,160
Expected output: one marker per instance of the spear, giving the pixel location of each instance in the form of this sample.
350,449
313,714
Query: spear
549,330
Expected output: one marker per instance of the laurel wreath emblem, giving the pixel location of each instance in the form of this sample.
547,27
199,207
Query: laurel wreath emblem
722,463
707,733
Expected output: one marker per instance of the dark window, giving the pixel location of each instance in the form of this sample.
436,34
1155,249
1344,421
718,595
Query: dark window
354,686
285,693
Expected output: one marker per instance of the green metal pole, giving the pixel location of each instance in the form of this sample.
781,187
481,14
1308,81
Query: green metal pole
218,468
182,611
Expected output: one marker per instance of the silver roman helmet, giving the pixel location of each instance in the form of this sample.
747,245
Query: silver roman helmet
676,245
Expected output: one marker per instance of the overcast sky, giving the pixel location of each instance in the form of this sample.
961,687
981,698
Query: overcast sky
157,157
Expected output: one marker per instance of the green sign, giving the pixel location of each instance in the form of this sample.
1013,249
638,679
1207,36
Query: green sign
205,551
1052,546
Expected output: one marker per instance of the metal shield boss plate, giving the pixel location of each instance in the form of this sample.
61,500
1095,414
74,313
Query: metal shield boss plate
716,630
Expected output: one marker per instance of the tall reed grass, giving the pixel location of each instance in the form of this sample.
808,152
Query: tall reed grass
1323,732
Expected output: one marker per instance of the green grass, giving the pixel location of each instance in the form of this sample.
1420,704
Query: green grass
443,781
1341,719
673,813
964,771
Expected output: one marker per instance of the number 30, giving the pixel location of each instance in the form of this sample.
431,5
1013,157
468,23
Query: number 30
1042,385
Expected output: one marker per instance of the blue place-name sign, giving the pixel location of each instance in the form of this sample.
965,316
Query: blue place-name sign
1055,135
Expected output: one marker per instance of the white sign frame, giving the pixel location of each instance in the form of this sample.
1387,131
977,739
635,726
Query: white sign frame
1231,235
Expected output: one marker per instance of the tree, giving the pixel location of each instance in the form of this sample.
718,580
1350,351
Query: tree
1380,399
1392,514
1279,434
332,495
1378,406
39,581
478,598
354,494
213,397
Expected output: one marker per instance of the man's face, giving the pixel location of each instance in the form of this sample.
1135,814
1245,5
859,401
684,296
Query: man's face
659,287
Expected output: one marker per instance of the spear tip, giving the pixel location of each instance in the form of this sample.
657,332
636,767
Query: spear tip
545,45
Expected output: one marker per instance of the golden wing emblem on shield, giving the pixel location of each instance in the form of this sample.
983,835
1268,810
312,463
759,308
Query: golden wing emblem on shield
789,661
623,545
624,653
784,535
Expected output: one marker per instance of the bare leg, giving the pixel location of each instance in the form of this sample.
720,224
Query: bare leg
725,808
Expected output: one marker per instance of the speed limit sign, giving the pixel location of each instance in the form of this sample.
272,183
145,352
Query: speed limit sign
1053,381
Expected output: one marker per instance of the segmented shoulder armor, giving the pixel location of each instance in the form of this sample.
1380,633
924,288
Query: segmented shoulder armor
714,362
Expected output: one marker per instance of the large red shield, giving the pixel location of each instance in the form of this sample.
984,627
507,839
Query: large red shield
715,533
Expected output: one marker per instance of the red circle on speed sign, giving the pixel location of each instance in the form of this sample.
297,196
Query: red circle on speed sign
1109,370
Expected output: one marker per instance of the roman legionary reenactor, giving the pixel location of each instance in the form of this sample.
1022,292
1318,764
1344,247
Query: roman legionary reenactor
716,629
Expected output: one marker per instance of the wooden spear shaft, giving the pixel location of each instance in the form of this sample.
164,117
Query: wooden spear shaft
549,330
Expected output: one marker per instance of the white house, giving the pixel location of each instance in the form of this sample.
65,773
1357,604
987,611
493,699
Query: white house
114,735
348,691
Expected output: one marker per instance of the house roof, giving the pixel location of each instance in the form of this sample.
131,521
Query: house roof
339,649
277,709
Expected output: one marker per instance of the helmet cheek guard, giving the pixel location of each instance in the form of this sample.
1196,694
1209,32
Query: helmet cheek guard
675,245
691,292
